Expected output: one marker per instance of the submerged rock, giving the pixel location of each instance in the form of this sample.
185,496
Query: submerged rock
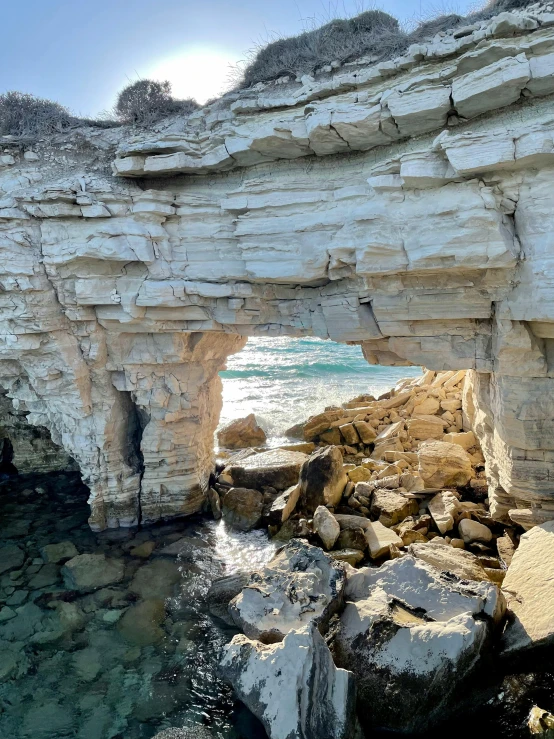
11,557
140,624
293,687
241,433
242,508
58,553
198,732
322,479
410,634
92,571
301,584
156,579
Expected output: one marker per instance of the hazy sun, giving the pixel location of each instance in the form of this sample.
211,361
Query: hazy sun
197,73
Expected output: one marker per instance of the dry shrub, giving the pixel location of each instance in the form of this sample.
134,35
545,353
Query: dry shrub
428,29
145,102
30,116
371,32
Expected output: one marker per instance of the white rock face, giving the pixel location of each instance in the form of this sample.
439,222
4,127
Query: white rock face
300,585
119,304
529,590
407,630
293,687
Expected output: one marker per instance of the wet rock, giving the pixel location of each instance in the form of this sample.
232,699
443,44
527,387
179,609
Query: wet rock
529,590
379,538
87,664
471,531
47,575
410,634
11,557
6,614
198,732
299,585
391,508
322,479
215,503
58,553
140,624
88,572
47,720
221,593
293,687
450,559
143,550
156,580
541,723
8,664
326,526
350,556
276,468
283,505
241,434
444,507
442,464
242,508
187,547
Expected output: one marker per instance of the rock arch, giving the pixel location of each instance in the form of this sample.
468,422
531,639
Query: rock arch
407,206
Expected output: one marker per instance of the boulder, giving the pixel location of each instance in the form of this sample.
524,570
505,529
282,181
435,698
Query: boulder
379,538
410,634
366,432
276,468
442,464
450,559
541,723
283,506
322,479
241,434
426,427
529,590
350,556
299,585
197,732
57,553
242,508
140,624
471,531
349,434
443,507
352,539
316,425
88,572
11,558
326,526
390,507
293,687
465,439
221,593
156,580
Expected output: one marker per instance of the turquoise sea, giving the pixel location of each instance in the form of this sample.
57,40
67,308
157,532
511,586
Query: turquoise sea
284,381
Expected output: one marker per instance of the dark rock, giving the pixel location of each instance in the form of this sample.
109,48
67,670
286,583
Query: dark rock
11,557
322,479
221,593
242,508
352,539
278,468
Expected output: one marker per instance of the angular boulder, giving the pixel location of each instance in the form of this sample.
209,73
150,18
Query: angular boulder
242,508
11,557
529,590
293,687
390,507
443,507
326,526
241,434
471,531
410,634
57,553
447,558
442,464
322,479
88,572
299,585
276,468
379,538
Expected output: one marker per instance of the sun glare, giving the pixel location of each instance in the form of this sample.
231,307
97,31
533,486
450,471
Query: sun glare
197,73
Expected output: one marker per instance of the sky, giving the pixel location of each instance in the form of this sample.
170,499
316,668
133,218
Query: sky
81,53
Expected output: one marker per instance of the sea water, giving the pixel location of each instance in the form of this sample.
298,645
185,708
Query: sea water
284,381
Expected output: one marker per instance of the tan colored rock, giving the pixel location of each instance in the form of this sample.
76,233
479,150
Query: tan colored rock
241,434
465,439
316,425
379,538
283,506
359,474
349,434
326,526
450,559
332,437
365,431
275,468
428,407
541,723
444,507
390,507
242,508
442,464
426,427
529,591
306,447
472,531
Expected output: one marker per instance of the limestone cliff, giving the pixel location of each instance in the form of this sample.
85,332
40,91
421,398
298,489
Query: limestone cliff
406,205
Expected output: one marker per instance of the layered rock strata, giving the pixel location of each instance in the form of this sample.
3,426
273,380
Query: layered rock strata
407,206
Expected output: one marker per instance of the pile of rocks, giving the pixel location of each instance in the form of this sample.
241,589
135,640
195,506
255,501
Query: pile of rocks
403,491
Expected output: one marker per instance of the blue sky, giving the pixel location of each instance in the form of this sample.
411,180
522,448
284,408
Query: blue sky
81,53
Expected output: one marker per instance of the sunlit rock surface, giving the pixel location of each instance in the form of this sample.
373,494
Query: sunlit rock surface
407,206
